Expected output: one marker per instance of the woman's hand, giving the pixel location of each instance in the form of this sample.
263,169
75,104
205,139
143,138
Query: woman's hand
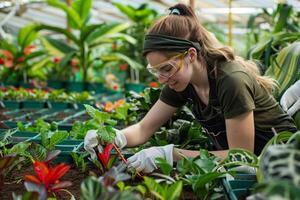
145,159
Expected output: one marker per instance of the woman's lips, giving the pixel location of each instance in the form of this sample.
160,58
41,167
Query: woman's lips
172,85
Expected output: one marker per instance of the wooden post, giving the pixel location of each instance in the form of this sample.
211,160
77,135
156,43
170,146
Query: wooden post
192,4
69,2
229,23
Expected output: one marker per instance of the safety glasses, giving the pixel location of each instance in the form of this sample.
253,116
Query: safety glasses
168,68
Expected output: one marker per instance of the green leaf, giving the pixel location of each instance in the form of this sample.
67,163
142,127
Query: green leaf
60,45
105,134
165,167
35,55
58,137
91,189
105,31
174,191
26,35
118,56
64,62
73,17
37,151
65,32
82,7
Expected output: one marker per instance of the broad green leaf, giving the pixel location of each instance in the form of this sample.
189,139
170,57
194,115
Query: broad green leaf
73,16
58,137
63,31
105,31
174,191
206,179
26,35
87,30
118,56
129,11
52,51
12,48
61,45
82,8
165,167
64,62
91,189
35,54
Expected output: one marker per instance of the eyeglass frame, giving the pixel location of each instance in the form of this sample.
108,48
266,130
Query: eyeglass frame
151,69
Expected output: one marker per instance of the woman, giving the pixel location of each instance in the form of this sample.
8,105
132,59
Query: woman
230,99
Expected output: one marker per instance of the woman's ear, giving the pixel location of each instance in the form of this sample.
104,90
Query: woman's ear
192,54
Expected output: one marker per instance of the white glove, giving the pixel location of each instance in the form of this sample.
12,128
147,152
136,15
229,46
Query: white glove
290,100
91,140
145,159
120,139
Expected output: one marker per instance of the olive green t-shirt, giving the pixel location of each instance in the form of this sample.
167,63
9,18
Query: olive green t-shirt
233,91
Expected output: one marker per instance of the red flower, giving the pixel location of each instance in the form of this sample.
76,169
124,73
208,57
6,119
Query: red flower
56,60
73,62
7,54
49,177
1,61
20,59
28,49
153,84
105,154
115,87
123,67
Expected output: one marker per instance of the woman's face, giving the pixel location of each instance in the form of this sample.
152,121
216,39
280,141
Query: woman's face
172,71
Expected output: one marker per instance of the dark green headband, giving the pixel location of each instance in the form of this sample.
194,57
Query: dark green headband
156,42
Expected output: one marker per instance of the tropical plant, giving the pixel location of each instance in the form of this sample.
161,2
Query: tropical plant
6,162
284,68
277,167
163,191
21,59
47,178
272,31
142,17
86,45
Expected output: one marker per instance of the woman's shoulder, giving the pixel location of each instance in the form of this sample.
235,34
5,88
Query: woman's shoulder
230,67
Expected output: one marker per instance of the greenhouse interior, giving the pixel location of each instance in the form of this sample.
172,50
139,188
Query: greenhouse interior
157,99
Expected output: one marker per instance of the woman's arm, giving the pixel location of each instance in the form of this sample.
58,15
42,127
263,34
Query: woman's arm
139,133
240,134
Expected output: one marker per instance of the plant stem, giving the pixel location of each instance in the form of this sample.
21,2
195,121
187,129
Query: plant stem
123,159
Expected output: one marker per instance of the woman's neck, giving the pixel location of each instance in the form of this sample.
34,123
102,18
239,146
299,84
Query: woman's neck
199,77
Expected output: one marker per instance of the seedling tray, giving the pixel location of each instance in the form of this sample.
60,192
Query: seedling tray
240,187
21,136
34,104
12,104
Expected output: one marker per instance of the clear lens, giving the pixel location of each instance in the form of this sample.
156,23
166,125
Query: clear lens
166,70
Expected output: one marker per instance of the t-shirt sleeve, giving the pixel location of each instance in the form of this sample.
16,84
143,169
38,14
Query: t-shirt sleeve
171,97
236,94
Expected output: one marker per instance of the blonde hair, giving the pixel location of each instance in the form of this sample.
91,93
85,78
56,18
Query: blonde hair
212,53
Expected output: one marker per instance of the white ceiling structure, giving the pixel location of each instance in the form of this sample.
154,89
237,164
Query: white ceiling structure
215,11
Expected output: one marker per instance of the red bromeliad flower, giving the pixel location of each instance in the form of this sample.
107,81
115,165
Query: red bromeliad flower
2,61
153,84
105,155
123,67
49,177
115,86
56,60
20,59
73,62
